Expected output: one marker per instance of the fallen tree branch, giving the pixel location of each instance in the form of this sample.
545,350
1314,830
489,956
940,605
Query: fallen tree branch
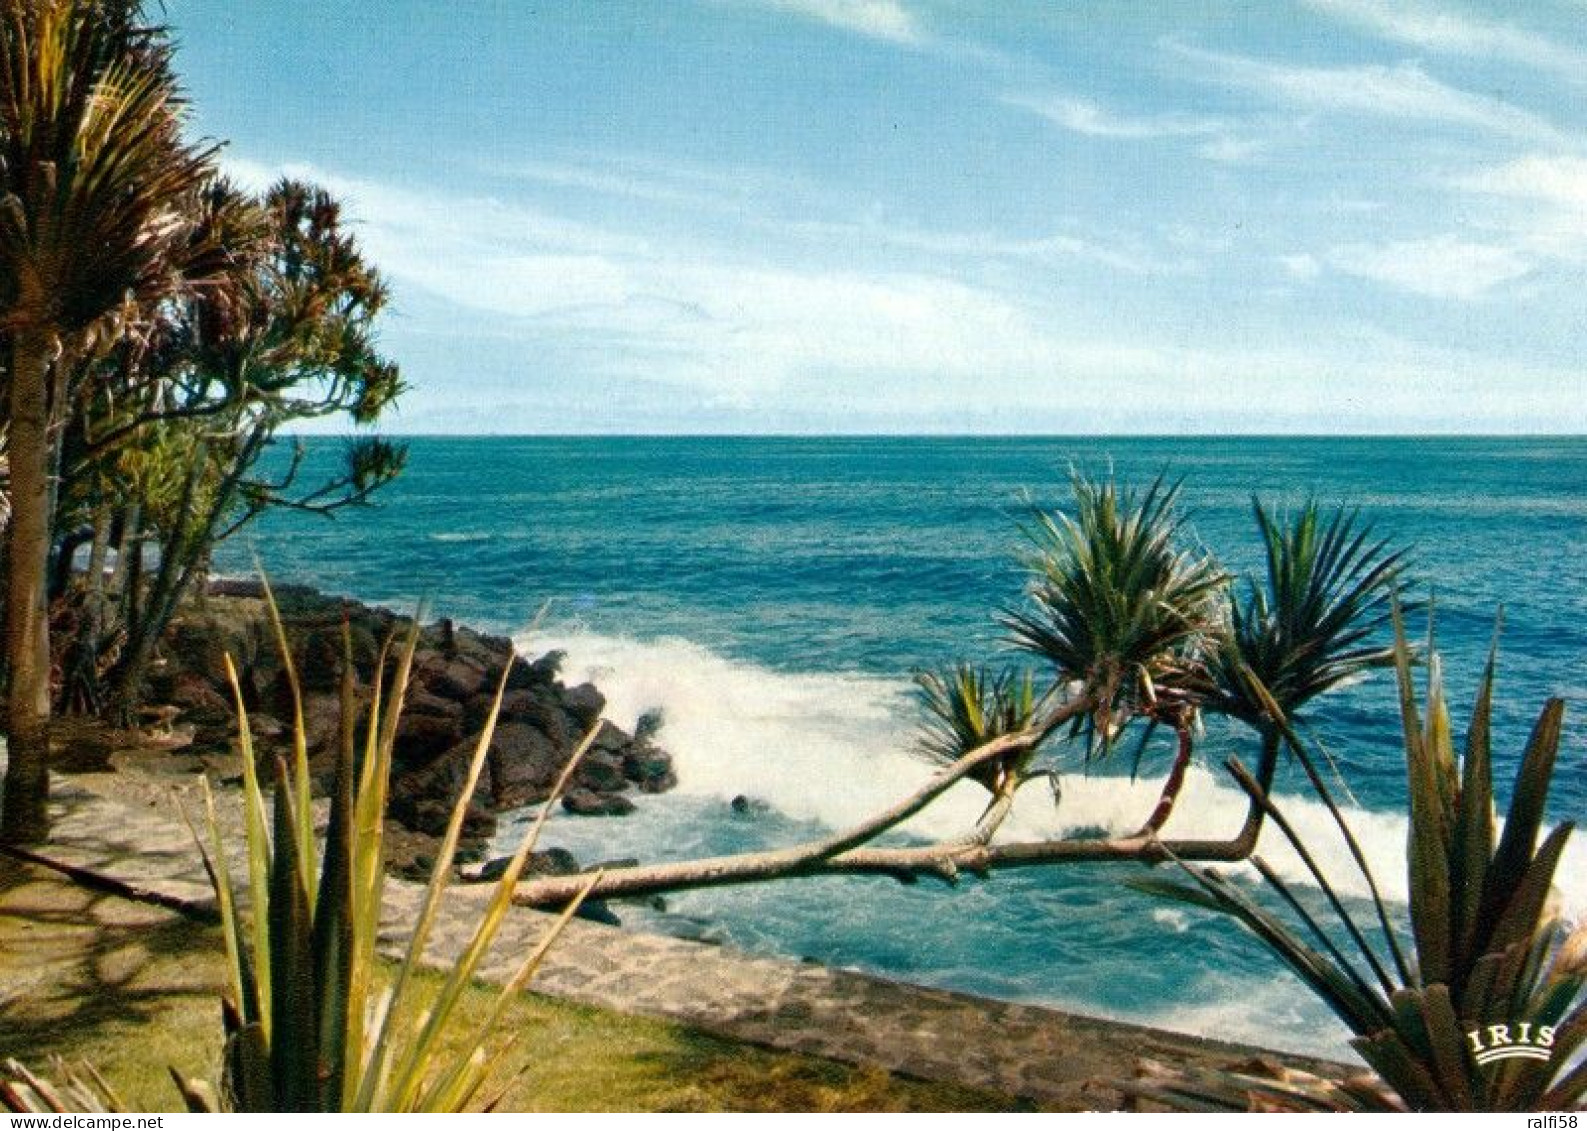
850,852
798,860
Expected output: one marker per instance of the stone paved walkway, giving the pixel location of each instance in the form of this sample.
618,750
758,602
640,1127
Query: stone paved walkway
1025,1051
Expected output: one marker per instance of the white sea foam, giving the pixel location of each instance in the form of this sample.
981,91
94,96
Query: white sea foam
834,747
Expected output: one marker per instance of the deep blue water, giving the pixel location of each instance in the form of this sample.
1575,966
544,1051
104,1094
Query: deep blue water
773,595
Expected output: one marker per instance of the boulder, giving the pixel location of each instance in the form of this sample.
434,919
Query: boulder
587,803
649,767
458,679
584,703
421,702
431,815
524,765
602,772
551,862
420,737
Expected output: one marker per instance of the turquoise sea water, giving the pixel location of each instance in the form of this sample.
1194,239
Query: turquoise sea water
773,595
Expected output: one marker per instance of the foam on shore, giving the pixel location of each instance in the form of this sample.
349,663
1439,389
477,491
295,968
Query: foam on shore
835,748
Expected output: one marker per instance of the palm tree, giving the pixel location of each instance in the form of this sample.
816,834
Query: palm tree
1123,615
93,168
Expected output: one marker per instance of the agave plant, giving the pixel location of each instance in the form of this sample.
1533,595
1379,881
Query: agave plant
1485,1008
79,1089
309,1026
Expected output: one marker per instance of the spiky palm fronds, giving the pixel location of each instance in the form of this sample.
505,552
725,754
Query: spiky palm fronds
1489,950
1307,626
966,707
93,167
1115,606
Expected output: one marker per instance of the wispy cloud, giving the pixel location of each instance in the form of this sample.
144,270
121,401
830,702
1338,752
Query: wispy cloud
1402,91
741,337
886,20
1085,117
1219,138
1300,265
1553,179
1445,266
1447,31
1543,199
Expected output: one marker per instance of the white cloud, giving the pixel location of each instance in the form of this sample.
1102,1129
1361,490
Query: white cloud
1550,179
1085,117
739,336
1441,267
878,19
1539,202
1300,266
1448,31
1219,139
1403,91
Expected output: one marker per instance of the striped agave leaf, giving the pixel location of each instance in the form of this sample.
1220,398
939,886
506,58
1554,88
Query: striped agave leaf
1492,1012
313,1022
69,1089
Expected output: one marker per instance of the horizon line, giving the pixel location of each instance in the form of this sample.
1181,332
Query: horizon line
1581,435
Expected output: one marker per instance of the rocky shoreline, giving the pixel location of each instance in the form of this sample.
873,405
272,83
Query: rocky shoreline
455,673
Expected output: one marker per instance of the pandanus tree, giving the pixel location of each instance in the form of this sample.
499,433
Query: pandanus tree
1127,627
1124,615
93,167
291,341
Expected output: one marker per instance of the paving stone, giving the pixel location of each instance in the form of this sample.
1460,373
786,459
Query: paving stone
1023,1050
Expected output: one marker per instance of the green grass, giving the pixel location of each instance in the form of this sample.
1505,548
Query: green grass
134,989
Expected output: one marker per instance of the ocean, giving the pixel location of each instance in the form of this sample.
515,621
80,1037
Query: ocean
773,596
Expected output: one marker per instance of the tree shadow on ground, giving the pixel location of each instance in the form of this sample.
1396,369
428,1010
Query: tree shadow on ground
74,961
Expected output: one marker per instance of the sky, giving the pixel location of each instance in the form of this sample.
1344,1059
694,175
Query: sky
940,216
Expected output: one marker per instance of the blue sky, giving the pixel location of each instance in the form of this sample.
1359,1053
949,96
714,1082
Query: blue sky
933,216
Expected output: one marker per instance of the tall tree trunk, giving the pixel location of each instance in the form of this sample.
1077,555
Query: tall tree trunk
98,552
24,808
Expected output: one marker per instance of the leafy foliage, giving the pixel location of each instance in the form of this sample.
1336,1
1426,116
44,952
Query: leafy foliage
92,164
93,167
967,707
308,1027
1116,607
1310,627
1489,949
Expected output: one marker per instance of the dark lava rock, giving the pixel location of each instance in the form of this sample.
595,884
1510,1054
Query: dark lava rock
602,772
649,766
551,862
597,911
584,703
586,803
455,674
649,724
524,764
420,738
